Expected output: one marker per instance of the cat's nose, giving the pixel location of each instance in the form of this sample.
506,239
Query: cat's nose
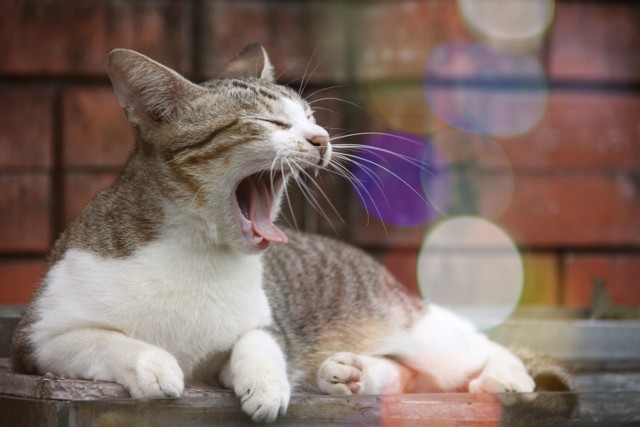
321,140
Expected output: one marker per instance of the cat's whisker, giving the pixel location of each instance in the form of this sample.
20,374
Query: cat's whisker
395,136
322,192
365,146
300,181
336,99
309,196
303,84
336,129
272,172
422,165
355,159
366,169
288,199
395,175
357,185
305,191
284,71
325,89
328,110
349,157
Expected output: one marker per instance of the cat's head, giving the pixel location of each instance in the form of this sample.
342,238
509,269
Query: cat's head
219,153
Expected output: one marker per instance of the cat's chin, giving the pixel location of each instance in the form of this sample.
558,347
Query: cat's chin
256,197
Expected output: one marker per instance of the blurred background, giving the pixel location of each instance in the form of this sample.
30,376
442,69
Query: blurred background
503,167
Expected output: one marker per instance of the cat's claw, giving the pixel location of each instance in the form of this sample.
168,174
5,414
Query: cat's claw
341,373
264,394
156,374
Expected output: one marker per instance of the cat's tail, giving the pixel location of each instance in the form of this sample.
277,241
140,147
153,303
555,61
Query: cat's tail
550,375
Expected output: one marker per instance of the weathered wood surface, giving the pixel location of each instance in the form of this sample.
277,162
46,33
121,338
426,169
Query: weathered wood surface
51,387
603,398
607,391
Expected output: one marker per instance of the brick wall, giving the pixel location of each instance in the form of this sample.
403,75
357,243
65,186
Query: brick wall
572,172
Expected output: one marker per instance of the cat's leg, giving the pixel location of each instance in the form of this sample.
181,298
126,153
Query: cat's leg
146,371
451,355
348,373
257,372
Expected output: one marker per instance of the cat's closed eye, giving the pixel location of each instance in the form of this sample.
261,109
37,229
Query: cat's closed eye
279,123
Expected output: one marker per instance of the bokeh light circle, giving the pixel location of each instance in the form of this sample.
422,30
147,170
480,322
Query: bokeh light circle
476,89
470,266
387,178
516,24
468,174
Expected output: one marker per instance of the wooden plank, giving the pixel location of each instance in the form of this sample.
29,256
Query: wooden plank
54,388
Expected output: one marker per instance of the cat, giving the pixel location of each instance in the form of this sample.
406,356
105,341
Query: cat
178,274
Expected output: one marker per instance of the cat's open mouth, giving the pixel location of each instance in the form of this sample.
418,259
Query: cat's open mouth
256,195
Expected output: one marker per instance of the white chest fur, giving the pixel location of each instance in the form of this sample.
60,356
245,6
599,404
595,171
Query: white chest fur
193,304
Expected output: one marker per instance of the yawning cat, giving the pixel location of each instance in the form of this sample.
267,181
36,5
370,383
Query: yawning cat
177,272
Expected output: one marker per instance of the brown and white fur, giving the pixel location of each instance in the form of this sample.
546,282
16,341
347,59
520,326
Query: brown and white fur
177,273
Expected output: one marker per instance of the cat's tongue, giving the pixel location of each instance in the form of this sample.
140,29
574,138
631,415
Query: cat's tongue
260,214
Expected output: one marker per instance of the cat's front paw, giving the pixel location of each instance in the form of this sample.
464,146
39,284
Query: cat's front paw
264,393
341,373
155,374
503,379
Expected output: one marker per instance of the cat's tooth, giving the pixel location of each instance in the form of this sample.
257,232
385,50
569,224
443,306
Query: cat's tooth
257,239
316,171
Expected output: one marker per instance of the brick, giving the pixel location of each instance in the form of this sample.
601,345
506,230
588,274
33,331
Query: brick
25,209
541,279
62,37
620,273
479,89
545,211
96,132
399,105
19,279
394,39
26,127
595,41
403,264
81,187
302,38
575,210
580,130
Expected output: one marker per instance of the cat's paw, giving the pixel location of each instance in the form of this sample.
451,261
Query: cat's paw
264,392
503,379
341,373
155,374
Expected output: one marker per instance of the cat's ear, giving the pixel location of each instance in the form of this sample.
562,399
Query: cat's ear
148,91
252,61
